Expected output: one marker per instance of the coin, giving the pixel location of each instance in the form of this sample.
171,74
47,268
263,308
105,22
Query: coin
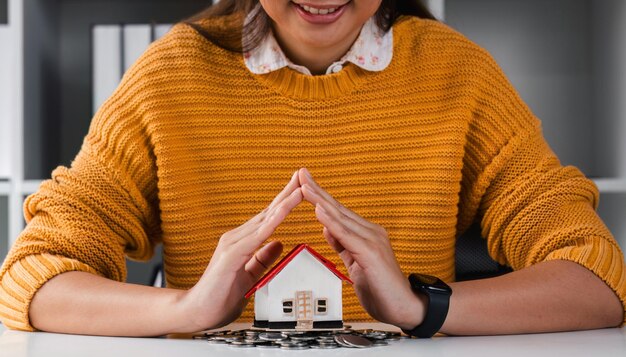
289,333
306,337
357,341
272,336
268,345
214,333
232,338
294,347
292,343
341,342
243,345
217,342
376,335
301,340
324,347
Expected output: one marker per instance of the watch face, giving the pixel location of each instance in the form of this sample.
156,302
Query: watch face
430,282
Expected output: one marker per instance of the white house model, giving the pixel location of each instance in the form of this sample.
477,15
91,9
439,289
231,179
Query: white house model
302,292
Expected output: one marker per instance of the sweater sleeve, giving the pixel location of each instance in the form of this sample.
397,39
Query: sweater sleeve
530,207
90,216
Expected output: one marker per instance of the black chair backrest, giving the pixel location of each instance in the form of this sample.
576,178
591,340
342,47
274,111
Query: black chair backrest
472,258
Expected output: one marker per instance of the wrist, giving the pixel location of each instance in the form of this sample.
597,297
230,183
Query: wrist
183,313
415,311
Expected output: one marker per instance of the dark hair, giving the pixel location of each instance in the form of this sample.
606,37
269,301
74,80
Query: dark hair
227,31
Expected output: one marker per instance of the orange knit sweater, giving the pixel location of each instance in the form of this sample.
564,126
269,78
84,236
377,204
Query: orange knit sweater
192,145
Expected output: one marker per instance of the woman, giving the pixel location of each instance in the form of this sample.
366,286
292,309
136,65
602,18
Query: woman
412,132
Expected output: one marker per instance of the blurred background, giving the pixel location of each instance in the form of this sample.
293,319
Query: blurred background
60,59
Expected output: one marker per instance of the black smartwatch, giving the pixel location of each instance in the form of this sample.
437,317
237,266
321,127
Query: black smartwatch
438,294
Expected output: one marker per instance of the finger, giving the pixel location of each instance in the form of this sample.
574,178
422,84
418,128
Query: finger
348,224
278,213
311,195
253,236
263,259
314,197
305,177
337,247
254,221
314,192
293,183
347,238
249,223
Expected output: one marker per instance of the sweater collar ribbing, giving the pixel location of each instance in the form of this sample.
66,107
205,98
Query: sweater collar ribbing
291,83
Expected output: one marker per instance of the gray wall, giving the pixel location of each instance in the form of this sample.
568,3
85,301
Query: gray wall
544,47
609,85
611,209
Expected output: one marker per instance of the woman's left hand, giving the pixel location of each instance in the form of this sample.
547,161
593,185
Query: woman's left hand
364,247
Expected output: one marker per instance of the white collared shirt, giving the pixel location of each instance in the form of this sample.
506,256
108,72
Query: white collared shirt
371,51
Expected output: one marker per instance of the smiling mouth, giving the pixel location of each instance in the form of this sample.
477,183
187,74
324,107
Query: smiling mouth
319,10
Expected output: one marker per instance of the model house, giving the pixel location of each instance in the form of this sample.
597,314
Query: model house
302,291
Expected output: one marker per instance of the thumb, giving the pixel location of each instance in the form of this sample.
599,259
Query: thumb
263,259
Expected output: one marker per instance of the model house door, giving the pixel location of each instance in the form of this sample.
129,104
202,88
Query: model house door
304,310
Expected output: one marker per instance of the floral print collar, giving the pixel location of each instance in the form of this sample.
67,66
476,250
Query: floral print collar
371,51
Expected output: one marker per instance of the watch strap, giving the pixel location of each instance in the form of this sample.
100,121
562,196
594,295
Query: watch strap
436,311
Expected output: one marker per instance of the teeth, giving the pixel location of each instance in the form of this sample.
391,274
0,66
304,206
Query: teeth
316,11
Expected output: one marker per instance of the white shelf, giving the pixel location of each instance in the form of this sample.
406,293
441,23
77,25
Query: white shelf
30,186
6,99
611,185
5,188
16,222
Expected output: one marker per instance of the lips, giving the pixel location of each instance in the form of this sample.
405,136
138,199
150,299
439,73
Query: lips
319,10
319,14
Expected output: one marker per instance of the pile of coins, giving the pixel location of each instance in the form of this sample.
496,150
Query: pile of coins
299,340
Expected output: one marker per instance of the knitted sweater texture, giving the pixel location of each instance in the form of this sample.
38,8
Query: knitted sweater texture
192,145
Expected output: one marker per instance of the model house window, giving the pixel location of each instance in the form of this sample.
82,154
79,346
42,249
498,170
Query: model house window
320,306
288,307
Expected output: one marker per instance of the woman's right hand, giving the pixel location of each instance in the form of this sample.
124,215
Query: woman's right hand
218,297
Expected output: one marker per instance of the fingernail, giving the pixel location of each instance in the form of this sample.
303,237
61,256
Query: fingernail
322,210
308,174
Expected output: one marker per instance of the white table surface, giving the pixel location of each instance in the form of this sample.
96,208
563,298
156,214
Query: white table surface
606,342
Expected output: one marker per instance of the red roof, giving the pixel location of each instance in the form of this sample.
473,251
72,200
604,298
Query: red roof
288,258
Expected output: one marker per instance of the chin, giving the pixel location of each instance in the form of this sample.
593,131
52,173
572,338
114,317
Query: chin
322,39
